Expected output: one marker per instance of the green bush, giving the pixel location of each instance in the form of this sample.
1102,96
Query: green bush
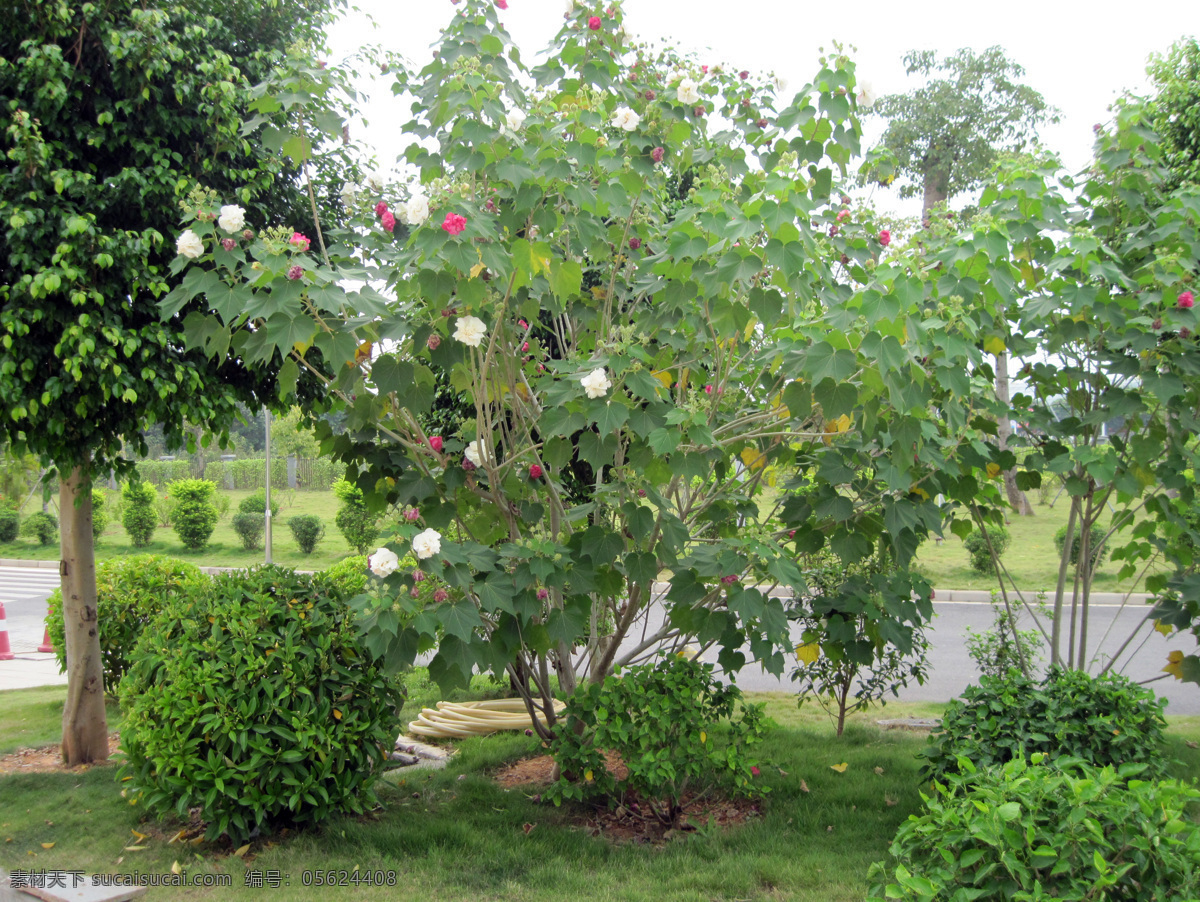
977,547
997,651
256,503
257,705
99,515
10,525
249,527
1050,831
129,591
1108,720
353,519
221,503
307,529
41,526
350,575
1096,550
195,515
662,719
138,516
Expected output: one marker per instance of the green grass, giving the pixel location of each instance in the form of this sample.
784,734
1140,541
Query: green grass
456,835
1031,557
225,547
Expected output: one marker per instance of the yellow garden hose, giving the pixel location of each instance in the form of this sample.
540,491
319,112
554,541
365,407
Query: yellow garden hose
457,720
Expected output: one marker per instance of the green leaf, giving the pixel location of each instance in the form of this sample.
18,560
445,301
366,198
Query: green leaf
823,362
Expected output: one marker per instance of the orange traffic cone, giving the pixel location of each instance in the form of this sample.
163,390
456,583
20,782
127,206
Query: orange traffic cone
5,649
47,645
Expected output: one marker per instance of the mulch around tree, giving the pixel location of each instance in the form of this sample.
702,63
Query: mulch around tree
632,821
48,759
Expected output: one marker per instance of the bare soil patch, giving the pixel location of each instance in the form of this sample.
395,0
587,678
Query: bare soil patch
48,759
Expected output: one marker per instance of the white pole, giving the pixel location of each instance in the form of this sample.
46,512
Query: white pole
267,512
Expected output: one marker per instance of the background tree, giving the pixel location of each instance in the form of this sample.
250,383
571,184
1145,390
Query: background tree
1175,109
944,137
107,110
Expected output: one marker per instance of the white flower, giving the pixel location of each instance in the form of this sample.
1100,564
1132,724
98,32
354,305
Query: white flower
383,562
375,182
781,84
233,218
475,453
626,118
470,330
687,91
570,7
416,211
596,383
866,95
349,194
190,245
426,544
515,119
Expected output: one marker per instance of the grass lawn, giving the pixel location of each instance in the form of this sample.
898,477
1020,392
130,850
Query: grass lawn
456,835
1031,557
225,547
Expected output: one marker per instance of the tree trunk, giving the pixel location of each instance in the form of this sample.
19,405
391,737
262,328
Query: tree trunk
935,193
1016,497
85,725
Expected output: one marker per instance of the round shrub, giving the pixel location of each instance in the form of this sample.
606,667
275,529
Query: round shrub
138,516
1042,830
1096,550
256,503
354,519
257,705
1109,720
350,575
977,547
308,530
10,525
99,516
41,526
195,515
129,591
250,528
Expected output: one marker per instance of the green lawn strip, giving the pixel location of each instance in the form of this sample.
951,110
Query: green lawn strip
224,549
32,718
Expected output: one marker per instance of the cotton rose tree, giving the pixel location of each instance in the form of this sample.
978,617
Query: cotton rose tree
733,391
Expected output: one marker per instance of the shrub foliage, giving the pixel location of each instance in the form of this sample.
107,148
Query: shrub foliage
308,530
139,517
195,516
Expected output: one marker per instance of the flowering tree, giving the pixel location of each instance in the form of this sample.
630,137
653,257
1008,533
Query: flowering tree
106,109
681,366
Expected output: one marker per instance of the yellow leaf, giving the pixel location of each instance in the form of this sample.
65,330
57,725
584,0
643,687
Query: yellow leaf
47,845
808,652
993,470
1163,628
753,458
915,489
994,344
176,838
362,352
1175,664
703,737
175,868
241,852
588,776
139,836
599,292
840,768
337,715
476,270
135,848
664,377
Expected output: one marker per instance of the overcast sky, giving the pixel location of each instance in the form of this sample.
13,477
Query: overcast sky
1077,56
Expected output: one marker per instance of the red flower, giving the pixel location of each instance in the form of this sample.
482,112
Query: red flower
635,243
454,223
594,23
388,221
435,442
298,241
295,272
381,208
535,472
433,342
657,154
744,74
1186,300
440,595
761,123
885,237
754,770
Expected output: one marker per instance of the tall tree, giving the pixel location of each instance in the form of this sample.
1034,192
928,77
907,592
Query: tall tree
945,136
1175,109
110,111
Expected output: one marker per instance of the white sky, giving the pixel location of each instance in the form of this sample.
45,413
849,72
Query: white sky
1079,55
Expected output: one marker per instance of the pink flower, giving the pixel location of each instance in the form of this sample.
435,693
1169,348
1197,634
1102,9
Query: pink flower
761,123
885,237
228,243
435,442
543,594
248,235
433,342
657,154
754,770
299,242
1186,300
380,208
418,576
440,595
412,515
454,223
502,4
650,95
744,74
699,111
524,346
522,324
295,272
635,243
708,389
843,215
388,221
535,472
704,69
729,580
594,23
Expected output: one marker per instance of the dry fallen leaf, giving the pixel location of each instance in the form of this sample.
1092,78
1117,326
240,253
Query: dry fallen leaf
47,845
890,800
528,828
840,768
175,868
135,848
241,852
1193,745
829,829
176,838
140,836
803,786
879,770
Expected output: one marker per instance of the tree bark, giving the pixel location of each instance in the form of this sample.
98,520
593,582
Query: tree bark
85,724
935,193
1016,497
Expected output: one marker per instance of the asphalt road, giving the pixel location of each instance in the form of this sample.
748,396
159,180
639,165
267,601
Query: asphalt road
24,593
